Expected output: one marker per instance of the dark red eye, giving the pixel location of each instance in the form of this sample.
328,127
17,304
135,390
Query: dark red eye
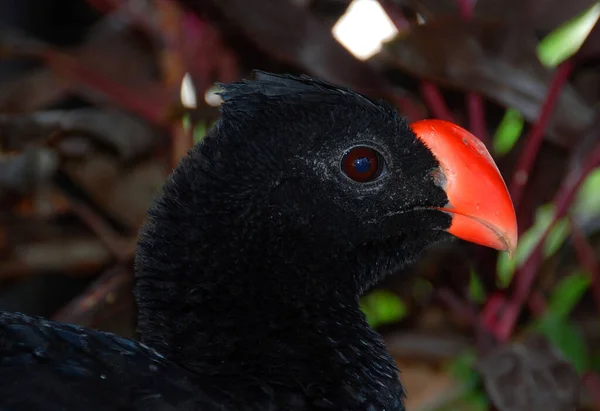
362,164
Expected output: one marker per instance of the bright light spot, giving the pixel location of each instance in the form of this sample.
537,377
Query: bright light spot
364,28
212,98
188,92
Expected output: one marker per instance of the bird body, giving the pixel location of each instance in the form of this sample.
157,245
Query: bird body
251,263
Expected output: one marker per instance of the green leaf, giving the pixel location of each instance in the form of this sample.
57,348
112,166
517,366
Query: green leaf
476,400
556,325
508,132
595,362
383,307
565,40
567,293
556,237
568,339
556,47
186,121
505,267
476,289
461,367
422,289
199,132
505,270
586,203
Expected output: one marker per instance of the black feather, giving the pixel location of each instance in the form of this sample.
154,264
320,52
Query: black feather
250,266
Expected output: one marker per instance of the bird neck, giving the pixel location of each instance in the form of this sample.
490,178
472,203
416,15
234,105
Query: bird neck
231,293
246,321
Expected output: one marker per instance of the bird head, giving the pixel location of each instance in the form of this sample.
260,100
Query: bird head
301,197
316,175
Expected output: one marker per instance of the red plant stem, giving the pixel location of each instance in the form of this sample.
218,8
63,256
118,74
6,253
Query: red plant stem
587,258
537,303
138,19
181,141
104,6
591,380
526,275
477,123
484,340
435,101
534,139
465,8
110,239
149,108
152,103
457,305
408,108
395,14
473,99
431,94
82,309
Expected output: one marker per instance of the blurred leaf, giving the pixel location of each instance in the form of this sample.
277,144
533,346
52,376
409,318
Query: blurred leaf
292,34
26,172
556,237
543,16
566,40
476,400
472,400
595,362
200,129
506,267
531,375
586,203
31,91
120,190
111,66
508,131
199,132
567,293
383,307
567,338
591,46
422,289
476,289
75,256
478,56
587,200
556,326
556,47
554,12
461,367
186,122
124,133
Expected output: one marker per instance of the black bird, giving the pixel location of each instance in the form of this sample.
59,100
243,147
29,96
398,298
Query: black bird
253,257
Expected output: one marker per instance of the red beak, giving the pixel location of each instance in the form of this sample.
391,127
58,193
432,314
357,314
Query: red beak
481,208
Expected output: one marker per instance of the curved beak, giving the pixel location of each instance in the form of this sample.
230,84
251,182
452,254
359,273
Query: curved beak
480,205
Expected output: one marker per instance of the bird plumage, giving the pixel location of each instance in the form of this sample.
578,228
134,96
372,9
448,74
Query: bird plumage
50,366
250,267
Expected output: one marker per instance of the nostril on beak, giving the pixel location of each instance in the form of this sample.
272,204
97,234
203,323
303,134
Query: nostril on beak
439,178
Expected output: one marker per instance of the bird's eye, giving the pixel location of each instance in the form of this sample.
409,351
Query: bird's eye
362,164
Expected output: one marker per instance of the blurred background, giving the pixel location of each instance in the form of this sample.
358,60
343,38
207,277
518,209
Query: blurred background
99,99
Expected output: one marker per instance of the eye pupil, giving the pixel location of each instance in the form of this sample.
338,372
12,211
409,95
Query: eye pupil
362,164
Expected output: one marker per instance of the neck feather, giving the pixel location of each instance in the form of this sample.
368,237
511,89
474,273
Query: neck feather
220,296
